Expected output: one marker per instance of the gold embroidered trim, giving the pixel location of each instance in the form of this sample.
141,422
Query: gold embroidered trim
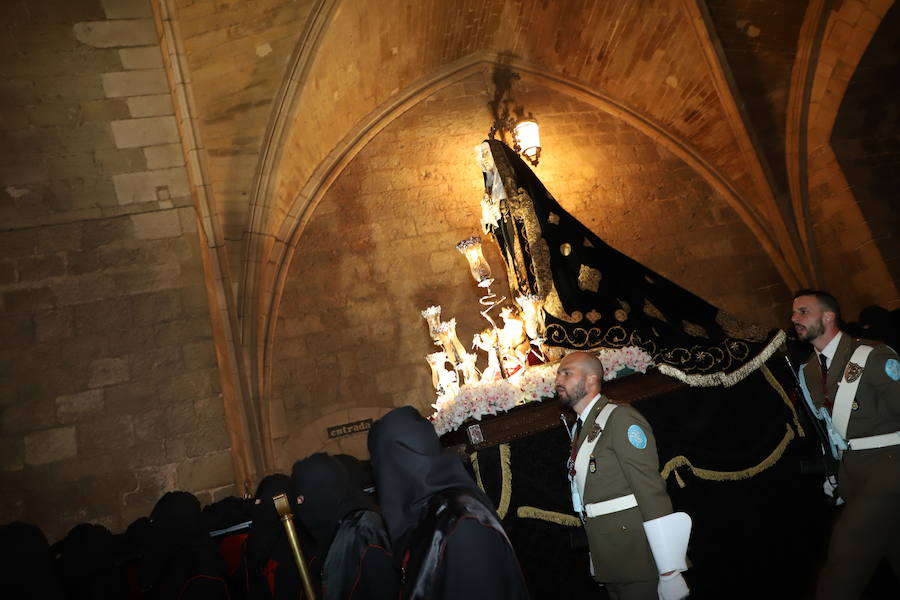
530,512
621,315
589,279
505,478
652,311
694,329
736,328
565,249
777,386
553,218
682,461
593,316
721,378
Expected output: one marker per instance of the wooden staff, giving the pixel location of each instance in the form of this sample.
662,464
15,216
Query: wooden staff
287,519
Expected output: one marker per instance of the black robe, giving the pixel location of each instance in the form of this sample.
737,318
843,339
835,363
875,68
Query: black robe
351,540
443,528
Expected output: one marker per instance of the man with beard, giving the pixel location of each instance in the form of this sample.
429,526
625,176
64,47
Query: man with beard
638,545
854,387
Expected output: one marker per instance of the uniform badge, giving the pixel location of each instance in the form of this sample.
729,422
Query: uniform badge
637,437
855,405
592,465
594,432
852,372
892,368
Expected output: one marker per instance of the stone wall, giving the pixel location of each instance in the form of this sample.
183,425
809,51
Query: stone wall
350,342
108,378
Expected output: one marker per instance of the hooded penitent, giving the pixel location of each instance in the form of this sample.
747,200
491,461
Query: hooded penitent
329,493
271,570
410,467
180,560
446,535
350,535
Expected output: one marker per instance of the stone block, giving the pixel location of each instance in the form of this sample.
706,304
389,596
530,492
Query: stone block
50,445
17,331
17,243
199,355
147,57
48,115
27,414
29,300
12,454
150,106
150,131
160,157
109,371
156,225
68,88
38,268
75,407
106,109
105,435
208,439
155,362
150,186
205,472
189,386
103,316
114,161
58,238
7,272
120,84
156,307
132,397
116,33
166,422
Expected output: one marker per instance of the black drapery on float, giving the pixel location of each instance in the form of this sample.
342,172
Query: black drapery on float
719,398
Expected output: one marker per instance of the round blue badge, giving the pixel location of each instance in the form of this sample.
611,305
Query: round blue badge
637,437
892,368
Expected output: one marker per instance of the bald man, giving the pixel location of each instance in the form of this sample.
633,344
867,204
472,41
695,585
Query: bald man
638,545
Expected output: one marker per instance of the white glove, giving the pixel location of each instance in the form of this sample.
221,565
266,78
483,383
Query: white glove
829,487
672,587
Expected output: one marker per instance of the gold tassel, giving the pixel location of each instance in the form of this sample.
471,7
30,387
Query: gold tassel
530,512
678,478
774,383
682,461
473,458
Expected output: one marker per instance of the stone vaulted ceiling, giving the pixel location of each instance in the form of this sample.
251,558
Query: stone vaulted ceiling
275,98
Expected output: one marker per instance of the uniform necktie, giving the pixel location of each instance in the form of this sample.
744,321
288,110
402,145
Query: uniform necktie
823,362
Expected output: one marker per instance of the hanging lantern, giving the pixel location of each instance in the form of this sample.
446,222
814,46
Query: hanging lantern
528,140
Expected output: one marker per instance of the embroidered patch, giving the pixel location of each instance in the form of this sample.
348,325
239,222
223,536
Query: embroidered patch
637,437
852,372
892,368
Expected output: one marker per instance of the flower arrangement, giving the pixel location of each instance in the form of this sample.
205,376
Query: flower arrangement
623,361
475,400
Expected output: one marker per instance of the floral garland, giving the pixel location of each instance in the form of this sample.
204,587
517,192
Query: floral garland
476,400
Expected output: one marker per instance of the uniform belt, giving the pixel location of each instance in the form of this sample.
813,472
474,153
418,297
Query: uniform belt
595,509
875,441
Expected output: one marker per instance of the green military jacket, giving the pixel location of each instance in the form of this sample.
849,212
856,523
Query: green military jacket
624,462
875,411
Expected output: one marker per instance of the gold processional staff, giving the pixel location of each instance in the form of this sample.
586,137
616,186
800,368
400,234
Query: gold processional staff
287,519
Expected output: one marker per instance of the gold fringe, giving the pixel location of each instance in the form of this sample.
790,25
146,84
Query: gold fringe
473,458
678,478
775,384
682,461
506,474
726,379
530,512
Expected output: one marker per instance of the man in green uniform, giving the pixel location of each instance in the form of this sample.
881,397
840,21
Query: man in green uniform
854,387
637,543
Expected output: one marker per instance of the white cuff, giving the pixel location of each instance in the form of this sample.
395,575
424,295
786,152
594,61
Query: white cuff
668,537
